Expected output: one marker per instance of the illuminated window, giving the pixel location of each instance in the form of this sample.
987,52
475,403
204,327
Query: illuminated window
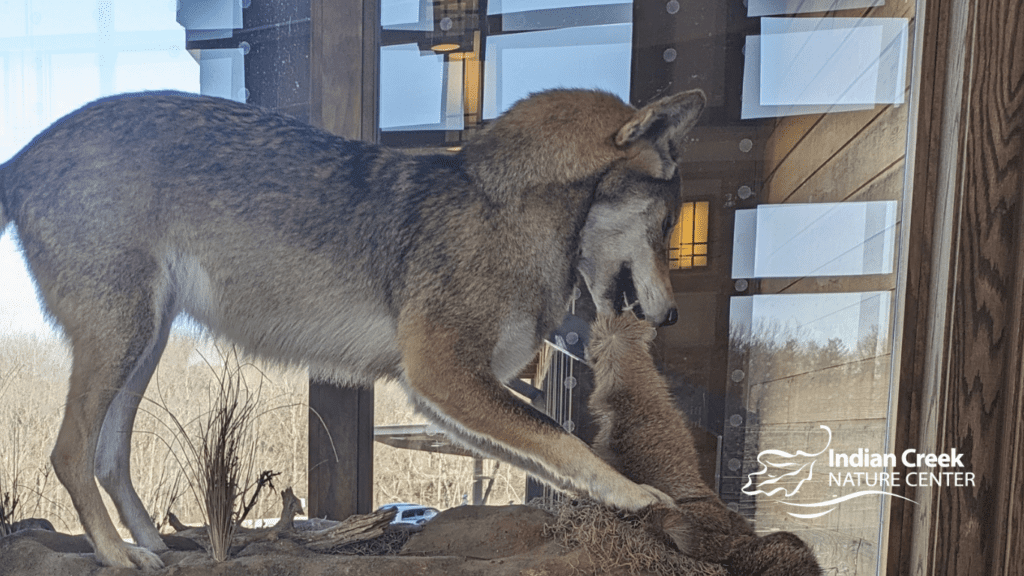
688,245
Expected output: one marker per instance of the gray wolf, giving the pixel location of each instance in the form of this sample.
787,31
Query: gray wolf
443,272
642,434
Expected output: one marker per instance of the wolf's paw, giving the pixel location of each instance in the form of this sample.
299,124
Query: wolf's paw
631,497
125,555
663,499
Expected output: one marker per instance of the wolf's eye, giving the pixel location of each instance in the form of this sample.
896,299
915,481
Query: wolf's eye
666,226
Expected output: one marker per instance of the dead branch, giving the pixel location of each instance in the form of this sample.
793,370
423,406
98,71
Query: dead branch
353,529
175,523
290,507
266,478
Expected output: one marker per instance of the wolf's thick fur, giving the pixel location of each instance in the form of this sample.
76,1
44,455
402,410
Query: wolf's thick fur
443,271
644,435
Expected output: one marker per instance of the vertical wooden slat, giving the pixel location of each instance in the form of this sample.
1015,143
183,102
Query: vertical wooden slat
985,397
932,32
961,376
370,86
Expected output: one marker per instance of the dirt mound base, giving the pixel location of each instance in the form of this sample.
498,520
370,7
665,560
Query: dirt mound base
464,541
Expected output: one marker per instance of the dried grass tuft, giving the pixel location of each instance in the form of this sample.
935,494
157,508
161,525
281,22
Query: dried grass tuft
9,489
222,454
620,542
9,501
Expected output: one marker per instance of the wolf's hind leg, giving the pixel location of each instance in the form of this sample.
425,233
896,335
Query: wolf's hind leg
458,387
113,452
109,340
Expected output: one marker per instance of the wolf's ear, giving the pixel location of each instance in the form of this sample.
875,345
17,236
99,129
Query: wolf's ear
669,118
660,123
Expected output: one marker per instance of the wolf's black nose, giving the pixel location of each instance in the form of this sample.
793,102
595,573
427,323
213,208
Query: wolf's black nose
672,318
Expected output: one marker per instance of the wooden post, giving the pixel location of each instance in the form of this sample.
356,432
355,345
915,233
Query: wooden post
340,450
478,481
343,100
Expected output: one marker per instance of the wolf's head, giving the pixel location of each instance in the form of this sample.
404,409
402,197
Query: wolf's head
622,159
624,243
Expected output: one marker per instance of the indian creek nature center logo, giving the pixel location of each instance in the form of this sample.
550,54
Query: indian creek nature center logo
781,475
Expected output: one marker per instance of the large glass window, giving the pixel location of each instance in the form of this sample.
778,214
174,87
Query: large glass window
786,260
802,370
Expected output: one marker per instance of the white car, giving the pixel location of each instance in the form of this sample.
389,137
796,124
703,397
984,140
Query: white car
412,514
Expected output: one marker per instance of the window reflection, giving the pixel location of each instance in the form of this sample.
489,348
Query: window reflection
467,64
825,239
814,65
857,54
221,69
407,15
434,80
56,56
582,57
803,361
823,330
542,15
222,73
772,7
688,244
837,66
510,6
210,19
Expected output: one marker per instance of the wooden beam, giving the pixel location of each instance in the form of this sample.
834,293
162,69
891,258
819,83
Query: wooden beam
961,376
343,100
344,67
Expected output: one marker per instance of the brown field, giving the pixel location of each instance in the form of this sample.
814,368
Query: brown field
33,386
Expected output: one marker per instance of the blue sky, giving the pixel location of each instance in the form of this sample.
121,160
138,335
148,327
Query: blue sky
56,55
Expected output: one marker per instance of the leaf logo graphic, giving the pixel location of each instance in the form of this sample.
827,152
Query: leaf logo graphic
780,470
784,474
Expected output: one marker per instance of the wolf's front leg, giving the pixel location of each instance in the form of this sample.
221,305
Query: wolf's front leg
452,379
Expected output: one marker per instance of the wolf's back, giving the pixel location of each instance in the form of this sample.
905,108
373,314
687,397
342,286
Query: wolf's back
3,200
210,176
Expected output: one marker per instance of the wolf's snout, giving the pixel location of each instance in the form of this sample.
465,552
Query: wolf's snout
672,318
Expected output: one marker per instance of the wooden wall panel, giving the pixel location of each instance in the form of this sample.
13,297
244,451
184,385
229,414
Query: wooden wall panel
821,157
878,147
786,134
819,147
927,273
